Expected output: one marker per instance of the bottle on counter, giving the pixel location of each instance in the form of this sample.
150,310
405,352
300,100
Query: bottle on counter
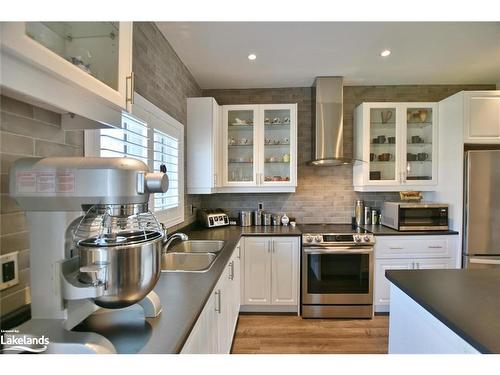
359,209
375,215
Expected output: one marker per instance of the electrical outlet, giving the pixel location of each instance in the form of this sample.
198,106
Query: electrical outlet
9,272
260,205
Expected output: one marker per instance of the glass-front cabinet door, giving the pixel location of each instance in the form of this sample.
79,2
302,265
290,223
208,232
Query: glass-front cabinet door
395,146
240,153
277,144
419,160
96,56
383,145
90,46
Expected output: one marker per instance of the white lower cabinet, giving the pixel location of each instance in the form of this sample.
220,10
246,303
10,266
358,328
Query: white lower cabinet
410,253
382,285
257,271
214,330
270,273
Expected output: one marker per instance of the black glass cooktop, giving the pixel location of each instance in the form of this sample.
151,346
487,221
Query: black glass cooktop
331,228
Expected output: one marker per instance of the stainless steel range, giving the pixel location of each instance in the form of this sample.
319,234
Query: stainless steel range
337,272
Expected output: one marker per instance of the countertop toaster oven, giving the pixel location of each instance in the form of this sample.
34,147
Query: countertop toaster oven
211,218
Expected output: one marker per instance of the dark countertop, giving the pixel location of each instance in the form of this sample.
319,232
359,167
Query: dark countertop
183,296
381,230
466,301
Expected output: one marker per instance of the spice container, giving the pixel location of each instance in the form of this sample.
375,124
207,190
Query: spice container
266,218
257,217
276,220
245,218
368,215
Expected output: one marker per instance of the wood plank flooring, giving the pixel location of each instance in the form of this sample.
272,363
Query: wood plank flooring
286,334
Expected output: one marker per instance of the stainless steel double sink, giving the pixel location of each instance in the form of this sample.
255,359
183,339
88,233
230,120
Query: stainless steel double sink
191,256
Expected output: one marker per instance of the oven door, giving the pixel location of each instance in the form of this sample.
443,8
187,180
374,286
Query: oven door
337,275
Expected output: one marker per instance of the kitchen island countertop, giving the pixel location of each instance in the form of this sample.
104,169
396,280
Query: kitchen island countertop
182,294
466,301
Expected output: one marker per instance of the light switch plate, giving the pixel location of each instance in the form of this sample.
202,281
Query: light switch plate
9,272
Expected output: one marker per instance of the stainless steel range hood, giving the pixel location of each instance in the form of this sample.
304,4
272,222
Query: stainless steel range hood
328,137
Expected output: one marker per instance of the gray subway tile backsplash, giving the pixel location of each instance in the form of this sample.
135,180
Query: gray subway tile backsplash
323,194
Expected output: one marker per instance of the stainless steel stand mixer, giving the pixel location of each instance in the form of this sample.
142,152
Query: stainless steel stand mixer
108,257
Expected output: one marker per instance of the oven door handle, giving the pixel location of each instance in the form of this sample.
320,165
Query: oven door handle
338,250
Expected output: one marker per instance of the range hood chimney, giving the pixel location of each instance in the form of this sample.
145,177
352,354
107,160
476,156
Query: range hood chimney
328,137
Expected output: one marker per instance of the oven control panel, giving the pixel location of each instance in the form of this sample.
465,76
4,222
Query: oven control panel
325,239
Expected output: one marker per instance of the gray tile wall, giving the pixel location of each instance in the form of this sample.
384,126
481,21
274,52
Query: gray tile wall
163,79
323,194
25,130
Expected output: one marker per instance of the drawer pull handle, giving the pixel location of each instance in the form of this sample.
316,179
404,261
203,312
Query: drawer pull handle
435,247
396,248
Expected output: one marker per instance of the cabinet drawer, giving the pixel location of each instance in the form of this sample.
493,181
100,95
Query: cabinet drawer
411,247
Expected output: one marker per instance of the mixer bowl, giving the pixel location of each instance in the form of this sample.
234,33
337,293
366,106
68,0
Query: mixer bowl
132,265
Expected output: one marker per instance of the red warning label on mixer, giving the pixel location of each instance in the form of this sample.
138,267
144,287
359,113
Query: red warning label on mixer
65,182
26,182
46,182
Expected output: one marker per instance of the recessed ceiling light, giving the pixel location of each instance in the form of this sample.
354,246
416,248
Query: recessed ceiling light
252,56
385,53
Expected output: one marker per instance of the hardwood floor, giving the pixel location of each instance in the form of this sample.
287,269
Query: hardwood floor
285,334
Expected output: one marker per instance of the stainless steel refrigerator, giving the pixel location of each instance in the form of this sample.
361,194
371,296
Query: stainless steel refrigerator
481,241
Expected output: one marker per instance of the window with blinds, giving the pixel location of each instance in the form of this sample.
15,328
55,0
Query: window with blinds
155,138
130,141
166,152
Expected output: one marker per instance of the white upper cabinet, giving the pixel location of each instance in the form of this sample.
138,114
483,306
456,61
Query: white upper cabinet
482,117
395,146
80,67
203,146
259,148
241,148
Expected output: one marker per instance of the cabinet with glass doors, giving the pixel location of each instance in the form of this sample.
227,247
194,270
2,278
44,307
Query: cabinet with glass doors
395,147
260,147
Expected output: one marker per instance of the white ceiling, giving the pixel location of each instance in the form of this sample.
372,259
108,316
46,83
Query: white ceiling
291,54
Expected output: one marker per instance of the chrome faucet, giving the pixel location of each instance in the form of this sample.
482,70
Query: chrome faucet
173,237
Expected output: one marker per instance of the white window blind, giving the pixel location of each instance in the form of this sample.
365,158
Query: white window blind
130,141
166,152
